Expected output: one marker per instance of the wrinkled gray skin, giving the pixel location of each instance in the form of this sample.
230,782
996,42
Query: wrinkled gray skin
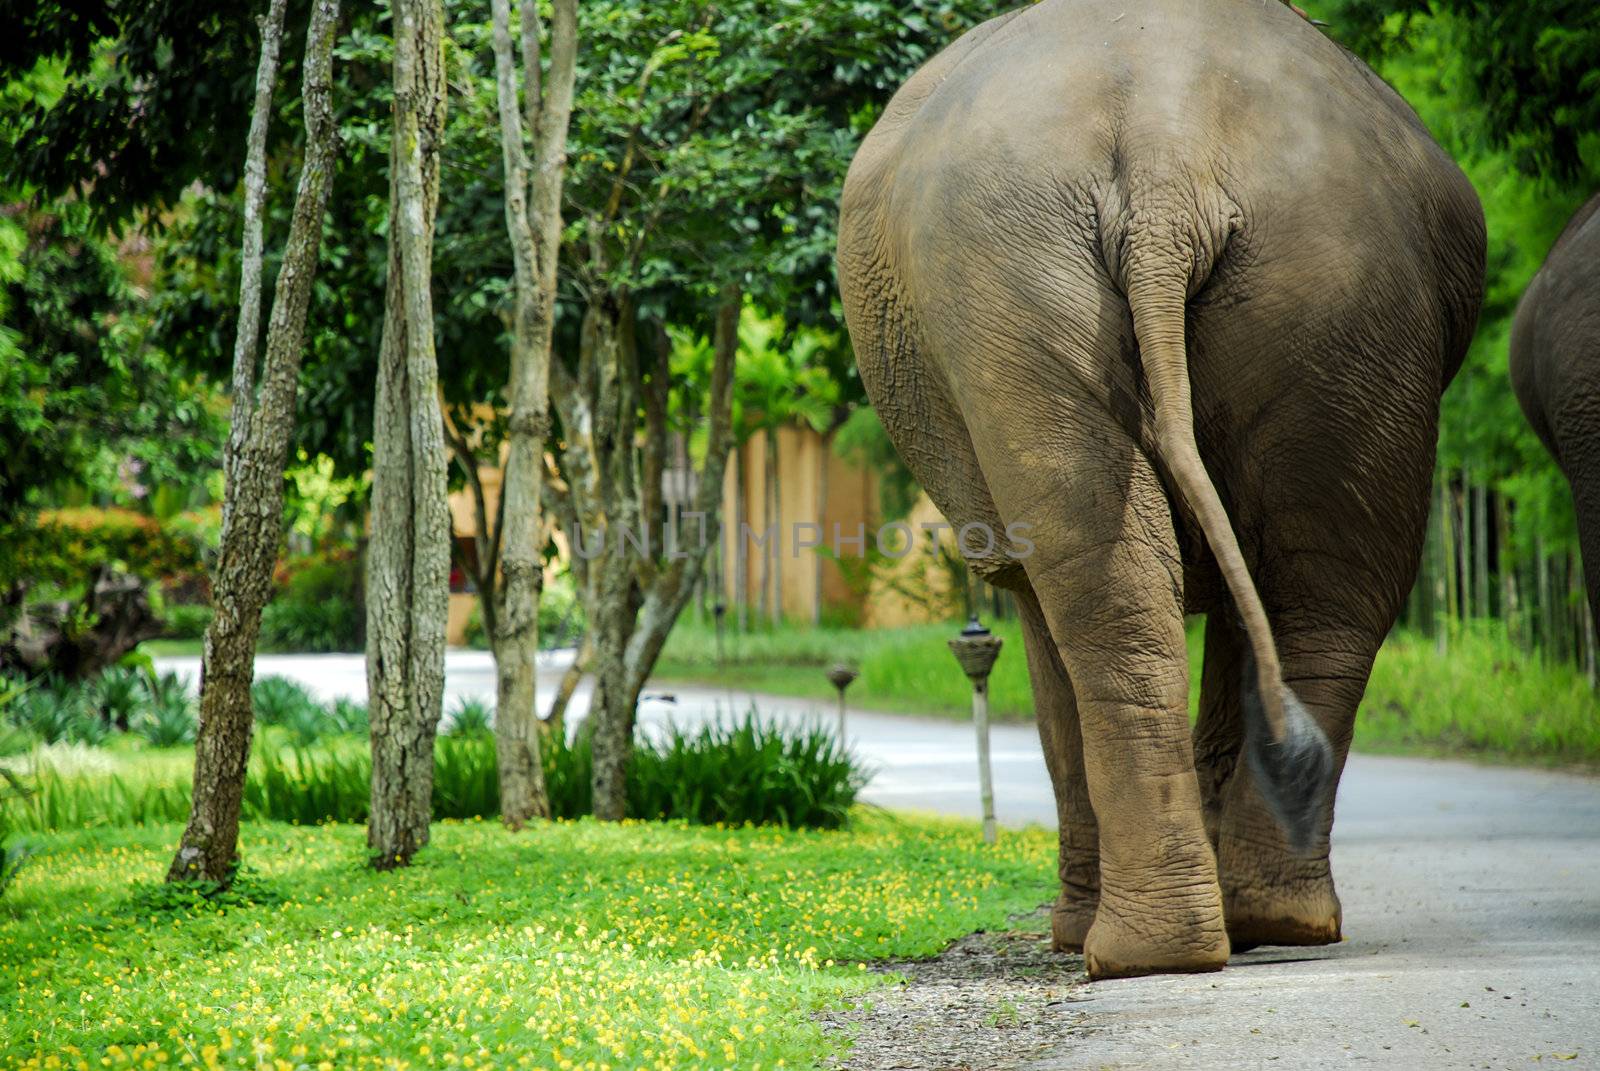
1122,271
1555,370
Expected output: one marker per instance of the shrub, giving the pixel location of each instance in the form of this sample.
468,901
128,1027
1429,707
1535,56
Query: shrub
472,633
58,712
15,741
466,777
119,694
289,624
349,716
748,771
471,716
65,545
186,622
317,605
167,718
278,699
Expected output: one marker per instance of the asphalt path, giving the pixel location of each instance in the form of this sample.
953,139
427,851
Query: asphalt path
1471,897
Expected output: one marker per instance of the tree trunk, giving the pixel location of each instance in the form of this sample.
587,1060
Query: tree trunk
408,561
533,222
638,597
555,723
253,461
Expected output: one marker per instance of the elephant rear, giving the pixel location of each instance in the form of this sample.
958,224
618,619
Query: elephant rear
1176,285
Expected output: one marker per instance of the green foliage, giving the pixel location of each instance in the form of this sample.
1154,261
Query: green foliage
1483,697
13,852
560,613
471,716
118,694
349,716
296,625
310,785
133,101
317,607
202,898
862,440
83,400
1529,71
59,712
186,622
64,547
167,718
279,700
747,771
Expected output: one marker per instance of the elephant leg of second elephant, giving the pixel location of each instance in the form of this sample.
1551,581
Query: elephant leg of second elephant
1056,710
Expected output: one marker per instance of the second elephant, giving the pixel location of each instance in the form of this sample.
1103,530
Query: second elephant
1555,370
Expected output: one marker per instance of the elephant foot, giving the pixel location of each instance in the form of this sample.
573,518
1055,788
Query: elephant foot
1070,920
1188,940
1305,917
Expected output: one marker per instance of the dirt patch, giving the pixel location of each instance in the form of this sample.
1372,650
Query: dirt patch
989,1001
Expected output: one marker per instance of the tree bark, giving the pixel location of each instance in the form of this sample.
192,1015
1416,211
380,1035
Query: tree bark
253,461
408,560
637,596
533,222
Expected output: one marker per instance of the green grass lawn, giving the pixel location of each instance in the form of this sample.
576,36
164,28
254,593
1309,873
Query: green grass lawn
569,945
1482,697
166,648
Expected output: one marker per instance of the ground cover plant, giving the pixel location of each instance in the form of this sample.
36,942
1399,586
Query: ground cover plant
569,945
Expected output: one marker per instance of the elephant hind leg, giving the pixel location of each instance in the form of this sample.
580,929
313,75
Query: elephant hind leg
1270,894
1056,711
1219,732
1108,577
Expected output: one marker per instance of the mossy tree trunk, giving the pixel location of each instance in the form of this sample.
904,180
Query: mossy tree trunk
253,458
408,559
533,222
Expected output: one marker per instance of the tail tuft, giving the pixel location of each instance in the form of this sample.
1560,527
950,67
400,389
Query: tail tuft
1294,777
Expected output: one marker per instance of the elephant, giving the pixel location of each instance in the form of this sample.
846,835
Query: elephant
1173,286
1555,371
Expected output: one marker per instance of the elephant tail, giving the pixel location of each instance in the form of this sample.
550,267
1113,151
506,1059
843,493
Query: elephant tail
1288,751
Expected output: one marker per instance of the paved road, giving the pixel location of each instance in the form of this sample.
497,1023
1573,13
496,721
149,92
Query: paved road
1471,894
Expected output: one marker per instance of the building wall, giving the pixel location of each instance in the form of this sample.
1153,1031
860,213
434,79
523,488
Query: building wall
820,496
823,504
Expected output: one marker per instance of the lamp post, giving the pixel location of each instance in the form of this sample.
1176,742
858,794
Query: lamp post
718,612
840,676
976,648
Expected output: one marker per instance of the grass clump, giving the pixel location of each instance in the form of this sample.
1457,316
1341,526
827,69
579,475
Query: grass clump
1481,697
747,771
582,944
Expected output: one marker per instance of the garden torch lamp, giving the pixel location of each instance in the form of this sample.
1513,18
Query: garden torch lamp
840,676
976,648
